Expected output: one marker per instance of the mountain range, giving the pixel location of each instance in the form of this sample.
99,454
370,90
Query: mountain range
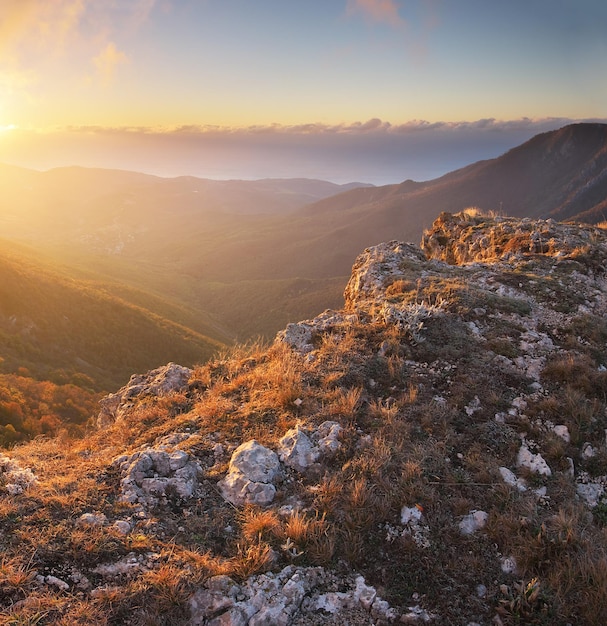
229,260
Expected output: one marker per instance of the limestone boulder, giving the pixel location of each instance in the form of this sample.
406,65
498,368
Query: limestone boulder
252,472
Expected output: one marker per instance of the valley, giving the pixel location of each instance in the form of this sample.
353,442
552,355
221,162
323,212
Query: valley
107,272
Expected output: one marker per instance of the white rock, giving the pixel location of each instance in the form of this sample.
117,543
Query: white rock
533,462
588,451
590,493
158,382
561,430
508,565
92,519
474,521
256,462
473,406
511,479
328,438
178,459
122,526
365,594
519,403
296,450
251,472
56,582
410,514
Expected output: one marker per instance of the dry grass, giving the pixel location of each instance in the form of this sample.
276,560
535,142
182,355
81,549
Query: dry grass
258,524
407,441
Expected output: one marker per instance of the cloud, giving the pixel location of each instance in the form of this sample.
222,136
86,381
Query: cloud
376,10
108,60
34,34
375,151
374,126
29,25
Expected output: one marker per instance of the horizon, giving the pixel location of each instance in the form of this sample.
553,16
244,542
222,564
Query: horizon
376,91
380,155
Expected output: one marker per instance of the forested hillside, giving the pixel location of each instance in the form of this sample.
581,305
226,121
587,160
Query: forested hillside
68,331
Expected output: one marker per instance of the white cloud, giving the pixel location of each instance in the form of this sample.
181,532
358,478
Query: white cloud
34,34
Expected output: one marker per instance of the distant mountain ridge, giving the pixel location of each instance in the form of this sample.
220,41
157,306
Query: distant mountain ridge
254,255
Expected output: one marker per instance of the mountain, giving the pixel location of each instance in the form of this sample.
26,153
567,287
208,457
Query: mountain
431,453
560,174
61,329
250,256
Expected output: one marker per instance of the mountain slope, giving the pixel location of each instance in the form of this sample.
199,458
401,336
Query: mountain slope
560,174
199,244
434,452
59,327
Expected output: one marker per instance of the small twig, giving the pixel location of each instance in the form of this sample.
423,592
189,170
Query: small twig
462,484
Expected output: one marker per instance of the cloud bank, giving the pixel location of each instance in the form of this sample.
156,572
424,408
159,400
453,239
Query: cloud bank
374,151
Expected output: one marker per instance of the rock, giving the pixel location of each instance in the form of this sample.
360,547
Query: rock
122,526
511,479
301,335
127,566
256,462
588,451
152,475
365,594
508,565
92,519
275,599
159,382
328,438
474,521
13,478
561,430
249,480
590,493
377,267
300,448
534,462
410,514
296,450
56,582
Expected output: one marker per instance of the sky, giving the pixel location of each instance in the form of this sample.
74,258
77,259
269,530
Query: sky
371,90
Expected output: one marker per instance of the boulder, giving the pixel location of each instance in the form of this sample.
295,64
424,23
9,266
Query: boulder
252,471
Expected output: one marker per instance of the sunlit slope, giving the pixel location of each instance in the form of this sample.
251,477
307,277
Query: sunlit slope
58,327
251,268
559,174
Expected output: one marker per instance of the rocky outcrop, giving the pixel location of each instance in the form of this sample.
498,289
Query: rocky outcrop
440,442
295,595
15,479
159,382
154,475
300,447
471,237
